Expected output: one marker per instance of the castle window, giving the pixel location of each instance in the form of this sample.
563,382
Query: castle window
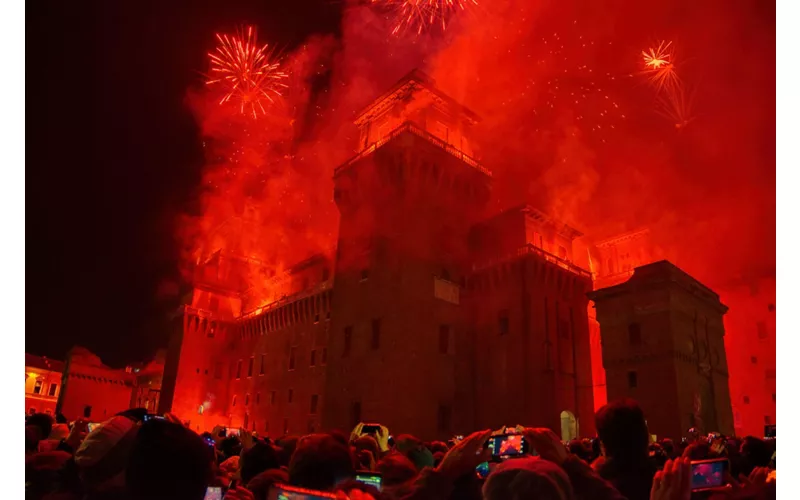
272,398
324,356
239,369
762,330
285,426
53,389
633,380
314,401
746,400
313,358
445,274
37,387
263,362
771,307
291,357
291,395
634,334
218,370
250,366
753,359
503,322
444,339
376,334
364,274
316,318
258,397
443,418
233,403
348,338
246,399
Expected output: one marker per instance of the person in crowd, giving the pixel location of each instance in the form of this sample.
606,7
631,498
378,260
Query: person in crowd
623,434
168,461
754,452
320,462
103,455
259,458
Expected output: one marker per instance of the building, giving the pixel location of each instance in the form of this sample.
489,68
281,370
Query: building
431,316
42,384
663,344
89,389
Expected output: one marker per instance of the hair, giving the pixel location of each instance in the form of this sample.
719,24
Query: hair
43,422
697,451
396,469
259,486
231,446
669,447
287,446
524,483
623,431
168,461
437,446
755,452
369,444
261,457
320,462
340,436
576,447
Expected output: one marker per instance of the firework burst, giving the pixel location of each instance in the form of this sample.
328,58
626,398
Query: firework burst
660,68
249,74
420,15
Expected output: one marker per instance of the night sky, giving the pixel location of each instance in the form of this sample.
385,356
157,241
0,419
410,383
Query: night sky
113,155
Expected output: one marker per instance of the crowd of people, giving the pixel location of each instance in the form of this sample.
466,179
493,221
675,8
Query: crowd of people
135,456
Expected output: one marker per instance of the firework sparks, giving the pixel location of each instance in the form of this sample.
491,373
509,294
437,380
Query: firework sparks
672,101
660,68
420,15
249,74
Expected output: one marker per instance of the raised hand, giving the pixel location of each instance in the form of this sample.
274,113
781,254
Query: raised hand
547,444
467,454
674,482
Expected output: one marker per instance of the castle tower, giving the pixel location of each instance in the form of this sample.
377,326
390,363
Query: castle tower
663,345
406,201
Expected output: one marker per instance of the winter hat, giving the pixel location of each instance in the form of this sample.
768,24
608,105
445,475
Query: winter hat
103,455
529,477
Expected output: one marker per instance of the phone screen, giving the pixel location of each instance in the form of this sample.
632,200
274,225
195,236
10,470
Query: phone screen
213,493
508,445
370,429
708,473
483,469
284,492
370,478
90,426
231,432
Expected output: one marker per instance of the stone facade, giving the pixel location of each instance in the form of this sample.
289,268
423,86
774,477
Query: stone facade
663,345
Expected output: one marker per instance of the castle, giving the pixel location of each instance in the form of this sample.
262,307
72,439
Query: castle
430,317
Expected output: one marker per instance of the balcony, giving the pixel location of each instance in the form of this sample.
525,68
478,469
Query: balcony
418,131
530,249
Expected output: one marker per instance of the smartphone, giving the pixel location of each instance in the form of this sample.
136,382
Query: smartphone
370,478
91,426
151,416
210,442
213,493
508,445
709,473
285,492
370,429
231,432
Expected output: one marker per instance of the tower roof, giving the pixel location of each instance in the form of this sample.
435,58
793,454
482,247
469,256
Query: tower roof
414,82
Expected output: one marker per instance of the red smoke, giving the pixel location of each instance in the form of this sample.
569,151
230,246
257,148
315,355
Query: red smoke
542,75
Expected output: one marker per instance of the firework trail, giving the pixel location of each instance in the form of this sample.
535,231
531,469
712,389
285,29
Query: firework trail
673,101
248,73
421,15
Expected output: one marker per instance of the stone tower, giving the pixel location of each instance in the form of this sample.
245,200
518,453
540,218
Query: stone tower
663,345
406,200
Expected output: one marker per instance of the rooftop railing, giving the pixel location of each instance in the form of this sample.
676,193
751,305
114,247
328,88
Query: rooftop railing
418,131
530,249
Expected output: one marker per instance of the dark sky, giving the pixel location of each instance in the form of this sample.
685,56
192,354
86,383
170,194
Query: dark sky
113,154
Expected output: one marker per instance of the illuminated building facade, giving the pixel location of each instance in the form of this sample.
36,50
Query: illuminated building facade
431,315
422,278
663,345
42,384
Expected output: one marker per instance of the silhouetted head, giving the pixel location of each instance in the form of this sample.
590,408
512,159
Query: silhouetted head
42,425
529,477
261,457
622,429
396,469
168,461
320,462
